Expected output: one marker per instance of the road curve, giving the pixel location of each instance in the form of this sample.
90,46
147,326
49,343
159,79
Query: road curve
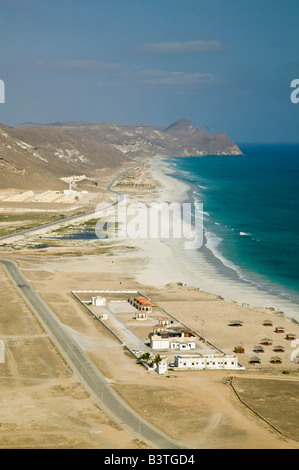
90,376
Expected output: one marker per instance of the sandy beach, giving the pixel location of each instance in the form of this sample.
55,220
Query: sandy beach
149,228
199,268
198,295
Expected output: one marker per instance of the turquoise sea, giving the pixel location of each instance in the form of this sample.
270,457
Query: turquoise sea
251,212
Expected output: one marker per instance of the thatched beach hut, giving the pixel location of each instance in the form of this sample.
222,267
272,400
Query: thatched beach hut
266,341
276,360
254,360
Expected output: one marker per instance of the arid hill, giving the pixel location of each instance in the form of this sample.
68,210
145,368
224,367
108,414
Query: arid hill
180,139
36,156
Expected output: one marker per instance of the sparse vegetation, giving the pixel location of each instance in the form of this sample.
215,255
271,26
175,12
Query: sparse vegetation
157,359
14,222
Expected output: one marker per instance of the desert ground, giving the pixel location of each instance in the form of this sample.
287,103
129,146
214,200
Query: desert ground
43,404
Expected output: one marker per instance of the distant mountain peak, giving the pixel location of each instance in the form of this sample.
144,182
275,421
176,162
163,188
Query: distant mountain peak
180,125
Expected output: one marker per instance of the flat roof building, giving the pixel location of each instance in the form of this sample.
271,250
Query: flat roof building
200,362
161,367
159,342
141,315
98,301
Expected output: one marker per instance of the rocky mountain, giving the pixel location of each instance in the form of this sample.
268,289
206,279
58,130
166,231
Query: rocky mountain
182,127
37,155
180,139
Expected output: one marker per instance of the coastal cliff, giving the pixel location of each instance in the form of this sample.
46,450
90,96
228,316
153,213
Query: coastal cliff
180,139
38,155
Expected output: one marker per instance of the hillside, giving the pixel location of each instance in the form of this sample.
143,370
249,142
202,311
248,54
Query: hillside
36,156
178,140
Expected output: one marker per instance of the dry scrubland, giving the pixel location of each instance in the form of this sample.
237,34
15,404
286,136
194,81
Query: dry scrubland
43,404
196,408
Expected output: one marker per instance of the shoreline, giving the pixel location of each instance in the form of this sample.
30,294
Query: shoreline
57,271
168,261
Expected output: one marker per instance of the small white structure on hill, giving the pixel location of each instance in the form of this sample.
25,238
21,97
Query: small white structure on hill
98,301
70,190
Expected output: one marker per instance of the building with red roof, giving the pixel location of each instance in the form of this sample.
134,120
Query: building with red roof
142,303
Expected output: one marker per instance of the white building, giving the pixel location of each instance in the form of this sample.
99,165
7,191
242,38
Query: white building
69,191
98,301
165,321
141,315
198,361
182,344
142,303
161,367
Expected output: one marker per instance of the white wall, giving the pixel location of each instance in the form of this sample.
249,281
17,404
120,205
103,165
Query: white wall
182,346
206,362
156,343
98,301
162,367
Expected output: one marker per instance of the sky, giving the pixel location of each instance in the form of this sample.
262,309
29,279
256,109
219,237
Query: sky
224,64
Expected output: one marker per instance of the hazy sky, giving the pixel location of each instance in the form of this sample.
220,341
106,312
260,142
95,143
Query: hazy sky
226,64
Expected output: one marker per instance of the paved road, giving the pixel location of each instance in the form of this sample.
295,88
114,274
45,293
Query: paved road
90,376
97,385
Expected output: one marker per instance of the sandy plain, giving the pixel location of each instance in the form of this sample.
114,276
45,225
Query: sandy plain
42,401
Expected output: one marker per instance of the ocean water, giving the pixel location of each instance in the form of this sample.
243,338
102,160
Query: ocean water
251,212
